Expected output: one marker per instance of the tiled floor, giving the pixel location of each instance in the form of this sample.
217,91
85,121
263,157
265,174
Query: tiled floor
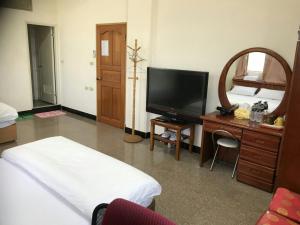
191,195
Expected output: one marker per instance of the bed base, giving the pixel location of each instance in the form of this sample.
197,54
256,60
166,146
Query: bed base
8,134
152,205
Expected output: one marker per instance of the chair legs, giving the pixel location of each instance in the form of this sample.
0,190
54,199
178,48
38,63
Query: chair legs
213,162
235,165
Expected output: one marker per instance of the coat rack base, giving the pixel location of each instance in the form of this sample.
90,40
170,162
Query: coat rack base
132,138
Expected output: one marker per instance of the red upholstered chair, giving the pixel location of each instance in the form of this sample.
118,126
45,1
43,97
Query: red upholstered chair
272,218
123,212
286,203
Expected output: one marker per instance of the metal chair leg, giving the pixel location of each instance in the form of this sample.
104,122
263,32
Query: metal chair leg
235,165
213,162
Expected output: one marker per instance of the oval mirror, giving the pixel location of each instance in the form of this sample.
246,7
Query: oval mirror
254,75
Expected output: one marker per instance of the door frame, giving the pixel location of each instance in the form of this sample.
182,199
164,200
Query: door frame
123,75
55,58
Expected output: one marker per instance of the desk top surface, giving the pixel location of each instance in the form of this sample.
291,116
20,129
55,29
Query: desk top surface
244,124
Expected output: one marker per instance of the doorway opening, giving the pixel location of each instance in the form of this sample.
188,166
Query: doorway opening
42,63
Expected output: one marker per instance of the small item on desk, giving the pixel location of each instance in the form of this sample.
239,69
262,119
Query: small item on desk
243,112
277,124
279,121
258,110
227,111
269,119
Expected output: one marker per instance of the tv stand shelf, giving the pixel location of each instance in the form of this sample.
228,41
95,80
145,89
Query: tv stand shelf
160,138
173,126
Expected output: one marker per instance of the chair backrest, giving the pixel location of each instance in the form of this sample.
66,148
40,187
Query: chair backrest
222,133
123,212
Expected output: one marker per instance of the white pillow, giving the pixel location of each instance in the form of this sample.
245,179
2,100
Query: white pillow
241,90
270,94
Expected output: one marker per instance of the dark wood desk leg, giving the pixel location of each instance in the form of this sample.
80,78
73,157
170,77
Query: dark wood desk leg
178,140
152,136
192,137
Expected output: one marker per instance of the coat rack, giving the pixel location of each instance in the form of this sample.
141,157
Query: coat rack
134,57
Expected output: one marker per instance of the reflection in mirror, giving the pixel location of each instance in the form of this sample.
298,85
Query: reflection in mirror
255,77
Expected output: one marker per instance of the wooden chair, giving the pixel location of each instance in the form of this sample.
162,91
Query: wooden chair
123,212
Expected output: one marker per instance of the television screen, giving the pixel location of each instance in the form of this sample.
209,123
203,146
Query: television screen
177,94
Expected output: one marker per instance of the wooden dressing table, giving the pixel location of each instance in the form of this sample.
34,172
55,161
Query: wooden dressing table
259,146
259,149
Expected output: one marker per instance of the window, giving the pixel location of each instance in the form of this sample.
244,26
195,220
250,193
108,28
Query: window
256,61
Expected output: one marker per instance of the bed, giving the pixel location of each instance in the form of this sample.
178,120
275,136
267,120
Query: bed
8,116
240,99
58,181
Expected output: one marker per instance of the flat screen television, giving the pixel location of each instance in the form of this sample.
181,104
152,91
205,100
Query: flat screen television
177,94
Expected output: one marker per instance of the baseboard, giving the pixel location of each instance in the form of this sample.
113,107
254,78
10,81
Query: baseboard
39,110
137,132
46,109
195,148
80,113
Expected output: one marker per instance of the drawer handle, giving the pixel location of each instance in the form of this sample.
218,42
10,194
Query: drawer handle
260,141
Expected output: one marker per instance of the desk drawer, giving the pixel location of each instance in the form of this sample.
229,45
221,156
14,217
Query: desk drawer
264,141
211,126
258,156
261,172
255,182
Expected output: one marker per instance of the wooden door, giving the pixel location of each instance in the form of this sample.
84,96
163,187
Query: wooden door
111,55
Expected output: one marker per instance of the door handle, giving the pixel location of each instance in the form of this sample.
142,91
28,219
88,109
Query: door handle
99,78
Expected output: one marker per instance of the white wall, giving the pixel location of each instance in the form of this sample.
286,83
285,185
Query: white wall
204,35
139,25
194,34
15,78
77,25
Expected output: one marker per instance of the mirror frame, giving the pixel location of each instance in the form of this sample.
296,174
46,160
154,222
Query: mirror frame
281,109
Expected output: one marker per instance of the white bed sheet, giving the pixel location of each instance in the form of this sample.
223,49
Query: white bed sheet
7,123
7,113
240,99
80,175
25,201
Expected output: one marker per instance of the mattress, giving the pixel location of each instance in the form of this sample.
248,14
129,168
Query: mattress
25,201
7,123
7,113
75,175
240,99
